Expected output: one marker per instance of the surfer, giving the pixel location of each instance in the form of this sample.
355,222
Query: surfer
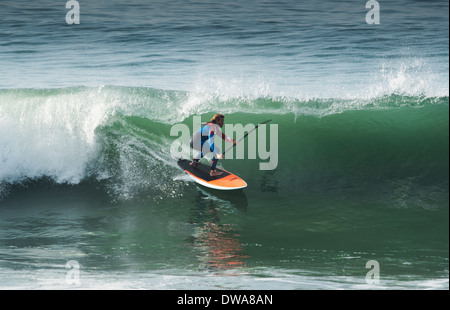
203,141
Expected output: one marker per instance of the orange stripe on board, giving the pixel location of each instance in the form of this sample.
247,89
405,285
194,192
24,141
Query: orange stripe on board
230,181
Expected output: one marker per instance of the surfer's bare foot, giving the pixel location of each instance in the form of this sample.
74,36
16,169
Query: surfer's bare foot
194,163
214,173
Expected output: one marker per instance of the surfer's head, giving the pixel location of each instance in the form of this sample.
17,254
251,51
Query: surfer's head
218,119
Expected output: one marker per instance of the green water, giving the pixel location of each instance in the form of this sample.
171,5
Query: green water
365,184
359,169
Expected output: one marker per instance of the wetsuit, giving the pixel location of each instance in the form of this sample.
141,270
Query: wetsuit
203,140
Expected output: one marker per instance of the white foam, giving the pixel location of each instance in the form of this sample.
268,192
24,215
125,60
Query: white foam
48,135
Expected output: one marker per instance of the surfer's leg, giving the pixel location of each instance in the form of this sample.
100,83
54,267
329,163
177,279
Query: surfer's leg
214,163
195,161
213,171
204,149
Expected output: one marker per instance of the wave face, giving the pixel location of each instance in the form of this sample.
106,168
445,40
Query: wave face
120,137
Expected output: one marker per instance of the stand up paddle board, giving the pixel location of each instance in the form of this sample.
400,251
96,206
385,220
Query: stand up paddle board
200,174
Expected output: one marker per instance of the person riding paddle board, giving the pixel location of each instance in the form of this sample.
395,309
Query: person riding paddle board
203,140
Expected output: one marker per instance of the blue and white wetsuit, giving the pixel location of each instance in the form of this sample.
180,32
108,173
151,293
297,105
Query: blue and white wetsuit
203,141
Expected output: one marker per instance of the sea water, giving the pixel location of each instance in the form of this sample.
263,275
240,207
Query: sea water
90,196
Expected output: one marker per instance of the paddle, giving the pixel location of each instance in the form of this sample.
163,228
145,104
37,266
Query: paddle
231,147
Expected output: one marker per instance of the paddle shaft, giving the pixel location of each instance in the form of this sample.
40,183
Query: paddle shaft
231,147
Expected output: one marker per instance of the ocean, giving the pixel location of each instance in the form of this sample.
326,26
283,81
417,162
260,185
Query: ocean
356,198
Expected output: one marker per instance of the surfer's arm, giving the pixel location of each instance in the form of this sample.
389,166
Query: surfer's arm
222,135
226,138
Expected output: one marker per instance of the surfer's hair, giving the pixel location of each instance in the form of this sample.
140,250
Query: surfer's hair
216,118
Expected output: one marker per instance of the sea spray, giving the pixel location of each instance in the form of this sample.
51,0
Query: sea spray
49,133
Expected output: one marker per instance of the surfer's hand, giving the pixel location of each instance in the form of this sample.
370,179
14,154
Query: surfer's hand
219,156
234,142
